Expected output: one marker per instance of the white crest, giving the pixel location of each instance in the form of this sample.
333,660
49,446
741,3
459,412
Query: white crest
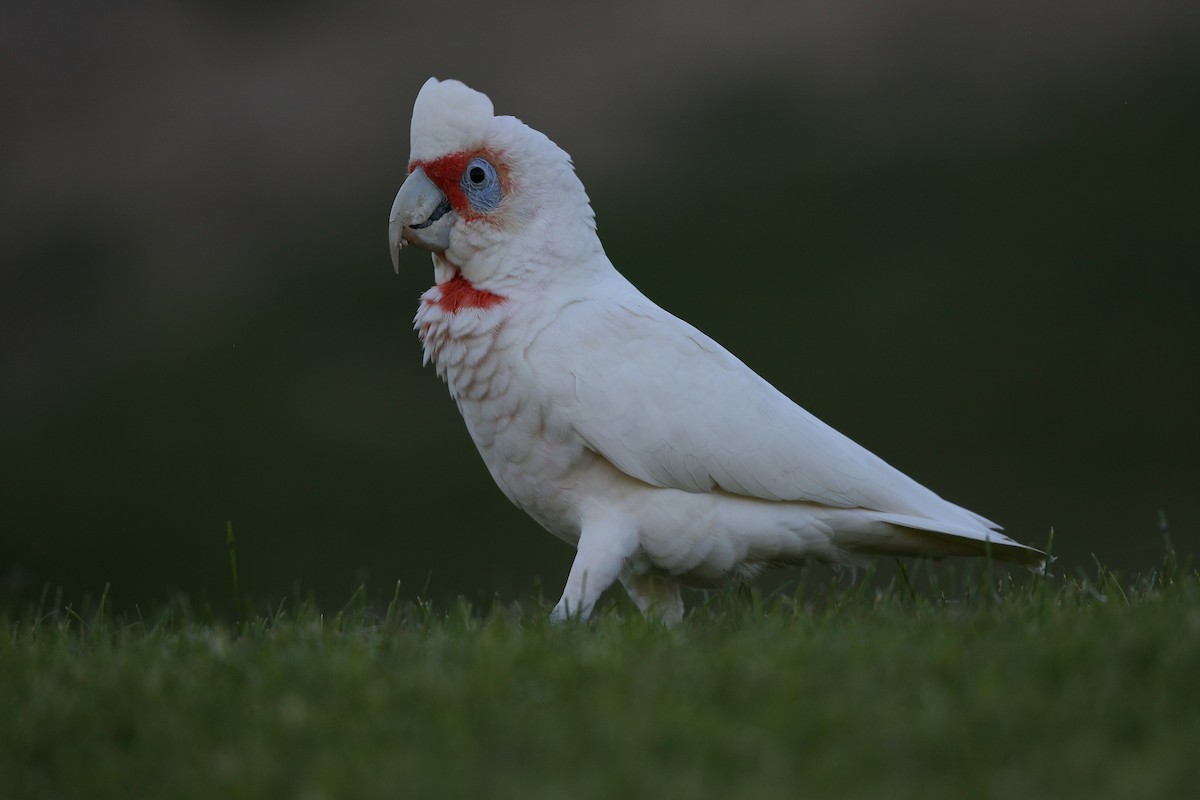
448,116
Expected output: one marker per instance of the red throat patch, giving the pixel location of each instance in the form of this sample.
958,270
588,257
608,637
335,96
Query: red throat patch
459,293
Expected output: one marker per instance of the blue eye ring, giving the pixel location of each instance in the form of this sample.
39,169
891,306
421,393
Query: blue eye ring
480,184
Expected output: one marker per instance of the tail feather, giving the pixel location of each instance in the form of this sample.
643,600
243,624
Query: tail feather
938,539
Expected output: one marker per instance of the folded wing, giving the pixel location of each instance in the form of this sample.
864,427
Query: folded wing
669,406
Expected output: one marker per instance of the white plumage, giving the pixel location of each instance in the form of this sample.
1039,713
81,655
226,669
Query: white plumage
622,429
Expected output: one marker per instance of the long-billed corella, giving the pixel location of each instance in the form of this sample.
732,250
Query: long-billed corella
620,428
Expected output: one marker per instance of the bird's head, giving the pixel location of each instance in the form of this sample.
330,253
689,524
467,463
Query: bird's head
477,183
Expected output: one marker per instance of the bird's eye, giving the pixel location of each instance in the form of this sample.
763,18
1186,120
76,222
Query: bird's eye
481,185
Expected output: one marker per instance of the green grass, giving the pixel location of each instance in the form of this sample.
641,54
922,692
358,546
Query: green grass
1083,687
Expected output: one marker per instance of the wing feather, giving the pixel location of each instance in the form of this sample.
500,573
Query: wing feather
669,406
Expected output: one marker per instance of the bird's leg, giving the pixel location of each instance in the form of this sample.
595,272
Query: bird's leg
605,544
656,598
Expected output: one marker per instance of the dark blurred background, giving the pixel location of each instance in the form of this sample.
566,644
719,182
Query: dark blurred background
967,235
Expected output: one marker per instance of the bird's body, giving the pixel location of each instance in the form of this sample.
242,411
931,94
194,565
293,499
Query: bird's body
620,428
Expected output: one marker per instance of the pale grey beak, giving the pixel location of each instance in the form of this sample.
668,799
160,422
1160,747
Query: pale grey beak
421,216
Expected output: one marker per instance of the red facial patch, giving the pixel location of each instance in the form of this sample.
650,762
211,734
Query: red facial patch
447,172
459,293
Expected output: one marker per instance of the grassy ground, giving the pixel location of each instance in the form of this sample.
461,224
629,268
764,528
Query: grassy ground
969,687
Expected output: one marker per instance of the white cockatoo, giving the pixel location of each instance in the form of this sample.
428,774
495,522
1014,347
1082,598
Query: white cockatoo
620,428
